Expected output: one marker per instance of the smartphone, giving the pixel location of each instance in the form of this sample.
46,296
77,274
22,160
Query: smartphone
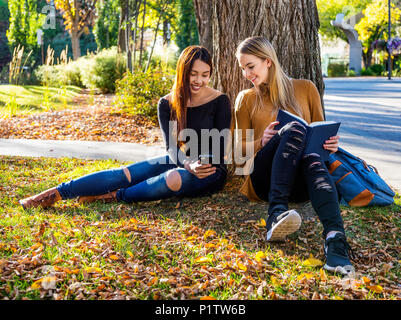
205,158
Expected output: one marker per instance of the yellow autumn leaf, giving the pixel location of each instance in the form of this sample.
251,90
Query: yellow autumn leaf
241,266
376,288
274,281
305,275
262,222
203,260
191,238
133,220
366,280
207,298
43,282
113,257
260,255
323,275
312,262
130,253
210,245
209,233
93,270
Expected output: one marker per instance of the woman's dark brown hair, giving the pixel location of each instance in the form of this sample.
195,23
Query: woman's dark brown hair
181,92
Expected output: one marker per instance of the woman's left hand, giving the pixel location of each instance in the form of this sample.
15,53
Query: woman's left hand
332,144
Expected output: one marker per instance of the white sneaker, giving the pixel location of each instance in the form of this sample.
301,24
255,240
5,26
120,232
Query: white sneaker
282,224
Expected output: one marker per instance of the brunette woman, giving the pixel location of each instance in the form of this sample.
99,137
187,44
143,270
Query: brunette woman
191,108
279,170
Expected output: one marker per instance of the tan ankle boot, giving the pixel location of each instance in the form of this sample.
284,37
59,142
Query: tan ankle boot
108,197
45,199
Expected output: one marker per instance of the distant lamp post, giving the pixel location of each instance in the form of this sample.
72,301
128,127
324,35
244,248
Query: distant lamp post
389,38
39,34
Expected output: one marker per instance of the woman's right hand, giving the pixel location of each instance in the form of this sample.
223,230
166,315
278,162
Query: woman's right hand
269,132
199,170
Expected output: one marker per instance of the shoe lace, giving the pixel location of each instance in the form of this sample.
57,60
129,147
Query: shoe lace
341,247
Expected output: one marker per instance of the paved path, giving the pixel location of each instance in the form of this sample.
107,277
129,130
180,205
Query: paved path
369,110
79,149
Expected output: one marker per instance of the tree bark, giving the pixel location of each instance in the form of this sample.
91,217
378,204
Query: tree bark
290,25
76,48
142,32
122,46
204,15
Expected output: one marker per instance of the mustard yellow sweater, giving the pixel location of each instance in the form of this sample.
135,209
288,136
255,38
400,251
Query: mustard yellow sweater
308,99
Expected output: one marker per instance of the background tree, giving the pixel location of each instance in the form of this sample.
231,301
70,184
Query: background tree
204,13
23,24
328,9
107,23
5,55
187,30
291,26
79,16
374,26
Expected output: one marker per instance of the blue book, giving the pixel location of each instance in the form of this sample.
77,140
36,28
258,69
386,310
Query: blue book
317,132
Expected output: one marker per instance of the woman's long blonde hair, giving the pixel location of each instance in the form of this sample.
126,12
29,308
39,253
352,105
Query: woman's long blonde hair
280,88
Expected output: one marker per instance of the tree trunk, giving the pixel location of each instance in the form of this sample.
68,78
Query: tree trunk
204,14
290,25
122,46
76,49
142,32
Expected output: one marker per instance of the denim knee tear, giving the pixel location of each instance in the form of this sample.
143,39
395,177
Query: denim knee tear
127,174
173,180
320,182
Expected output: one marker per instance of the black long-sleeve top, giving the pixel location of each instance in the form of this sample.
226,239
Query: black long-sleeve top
215,114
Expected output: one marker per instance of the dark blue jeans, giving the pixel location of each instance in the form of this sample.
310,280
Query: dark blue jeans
148,182
283,173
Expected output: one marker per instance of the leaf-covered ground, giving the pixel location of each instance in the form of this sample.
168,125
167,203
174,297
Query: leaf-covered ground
203,248
91,117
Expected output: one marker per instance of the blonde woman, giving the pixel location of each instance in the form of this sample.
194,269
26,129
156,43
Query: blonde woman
281,172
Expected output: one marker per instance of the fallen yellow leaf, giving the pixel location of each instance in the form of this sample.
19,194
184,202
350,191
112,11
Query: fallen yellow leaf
191,238
113,257
133,220
260,255
207,298
262,222
93,270
312,262
241,266
376,288
323,275
43,282
130,254
366,280
203,260
209,233
305,275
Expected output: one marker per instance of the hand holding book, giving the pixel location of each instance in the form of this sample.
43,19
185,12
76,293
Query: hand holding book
332,144
269,132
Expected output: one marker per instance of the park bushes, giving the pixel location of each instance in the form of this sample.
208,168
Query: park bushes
338,69
94,71
139,92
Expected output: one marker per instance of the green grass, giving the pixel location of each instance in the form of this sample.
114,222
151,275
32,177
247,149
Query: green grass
176,248
17,100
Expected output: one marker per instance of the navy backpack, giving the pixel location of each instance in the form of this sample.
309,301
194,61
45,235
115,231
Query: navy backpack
358,183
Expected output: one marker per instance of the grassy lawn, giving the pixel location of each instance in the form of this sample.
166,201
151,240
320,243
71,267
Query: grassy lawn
209,247
15,100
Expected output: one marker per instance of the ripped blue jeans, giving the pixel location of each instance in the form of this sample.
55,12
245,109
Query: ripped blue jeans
147,182
282,174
